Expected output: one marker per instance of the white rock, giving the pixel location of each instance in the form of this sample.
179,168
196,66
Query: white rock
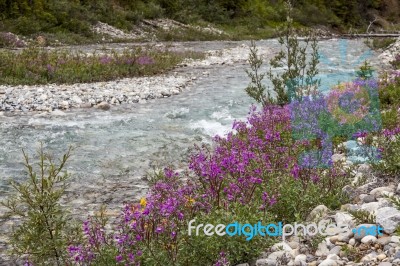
300,258
395,239
378,192
368,239
76,99
333,257
381,256
328,262
322,250
103,106
388,218
58,113
344,218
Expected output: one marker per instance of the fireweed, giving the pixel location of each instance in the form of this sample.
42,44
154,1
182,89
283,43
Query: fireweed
40,66
256,172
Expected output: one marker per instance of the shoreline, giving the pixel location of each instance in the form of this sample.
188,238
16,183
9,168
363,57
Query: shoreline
54,98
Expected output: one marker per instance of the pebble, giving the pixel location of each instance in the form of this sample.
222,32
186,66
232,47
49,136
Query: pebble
368,240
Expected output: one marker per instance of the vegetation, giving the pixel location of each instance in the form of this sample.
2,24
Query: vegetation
380,43
71,20
41,66
45,225
297,80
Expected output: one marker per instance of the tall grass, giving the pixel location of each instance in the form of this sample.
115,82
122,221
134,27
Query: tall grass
40,66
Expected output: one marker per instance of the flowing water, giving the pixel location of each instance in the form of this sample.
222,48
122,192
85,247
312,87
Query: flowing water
114,149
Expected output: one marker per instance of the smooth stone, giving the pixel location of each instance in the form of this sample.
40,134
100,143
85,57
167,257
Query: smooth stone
103,106
266,262
379,192
395,239
328,262
300,258
381,256
397,255
368,240
336,250
334,239
352,242
322,250
276,255
384,240
293,244
368,199
332,257
385,264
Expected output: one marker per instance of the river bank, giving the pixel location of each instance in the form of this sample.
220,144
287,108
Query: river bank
53,97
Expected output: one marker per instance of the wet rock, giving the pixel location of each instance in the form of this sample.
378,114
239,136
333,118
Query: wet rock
58,113
103,106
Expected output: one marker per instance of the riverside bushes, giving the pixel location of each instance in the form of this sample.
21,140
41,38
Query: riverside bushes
40,66
42,236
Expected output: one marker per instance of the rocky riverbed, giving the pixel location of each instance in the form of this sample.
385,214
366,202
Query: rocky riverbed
103,95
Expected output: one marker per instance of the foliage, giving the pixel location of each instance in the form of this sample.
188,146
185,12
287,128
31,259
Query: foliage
154,230
365,72
45,225
380,43
298,77
363,217
389,147
71,17
256,89
389,94
396,62
41,66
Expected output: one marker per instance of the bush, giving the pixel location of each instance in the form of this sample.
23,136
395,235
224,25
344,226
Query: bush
45,227
389,94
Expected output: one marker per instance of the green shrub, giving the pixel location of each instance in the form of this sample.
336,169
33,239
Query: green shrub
298,79
380,43
390,118
389,95
389,147
45,227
